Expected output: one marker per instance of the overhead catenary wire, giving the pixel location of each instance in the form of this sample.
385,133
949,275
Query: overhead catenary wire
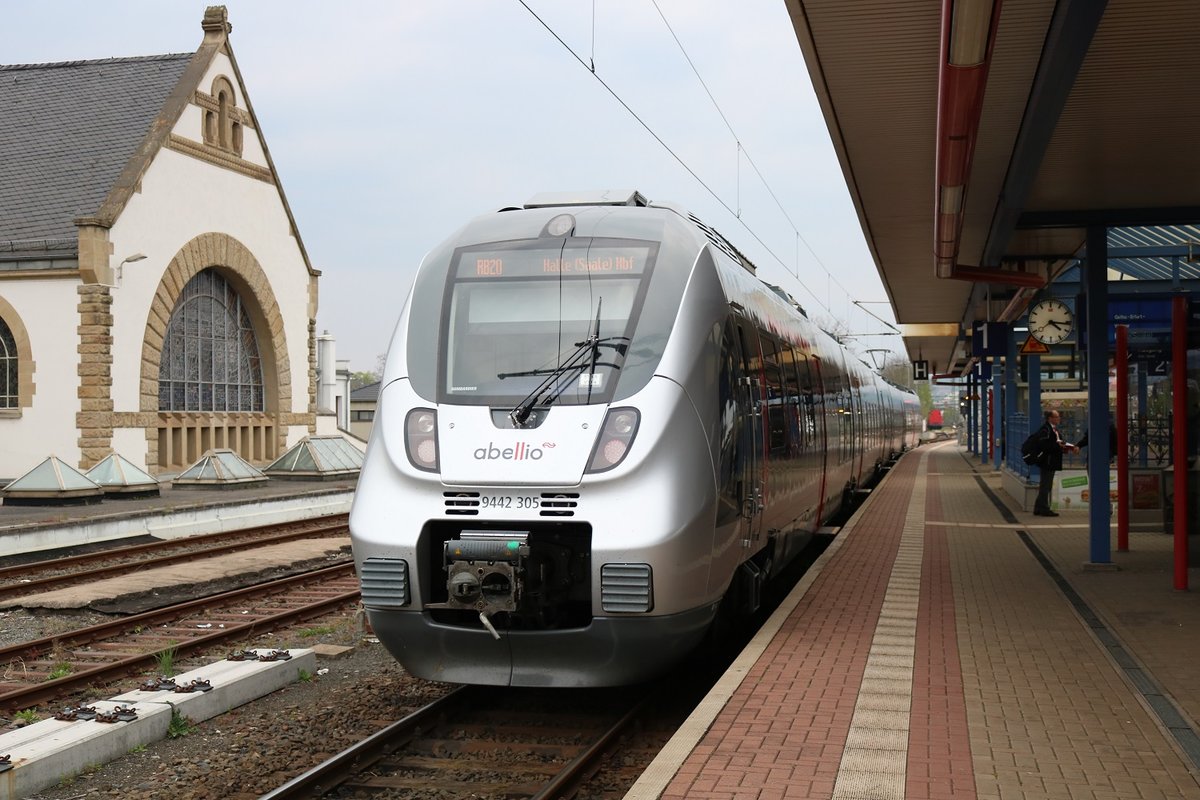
736,213
743,151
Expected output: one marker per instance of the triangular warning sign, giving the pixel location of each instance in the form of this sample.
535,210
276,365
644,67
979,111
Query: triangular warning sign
1033,347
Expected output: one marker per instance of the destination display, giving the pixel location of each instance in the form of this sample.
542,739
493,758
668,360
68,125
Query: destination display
533,263
1149,319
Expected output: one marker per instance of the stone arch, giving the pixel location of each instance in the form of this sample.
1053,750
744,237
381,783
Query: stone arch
222,127
199,431
25,365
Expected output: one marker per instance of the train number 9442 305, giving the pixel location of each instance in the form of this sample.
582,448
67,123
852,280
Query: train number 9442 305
517,501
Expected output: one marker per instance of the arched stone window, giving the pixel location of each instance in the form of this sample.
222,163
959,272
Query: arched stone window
210,357
222,127
9,363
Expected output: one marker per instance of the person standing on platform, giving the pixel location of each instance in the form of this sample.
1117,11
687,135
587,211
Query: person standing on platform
1112,441
1050,448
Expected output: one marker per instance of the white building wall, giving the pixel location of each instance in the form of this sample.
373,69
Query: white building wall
48,427
182,197
179,198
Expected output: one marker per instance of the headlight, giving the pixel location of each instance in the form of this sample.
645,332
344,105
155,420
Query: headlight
616,437
420,439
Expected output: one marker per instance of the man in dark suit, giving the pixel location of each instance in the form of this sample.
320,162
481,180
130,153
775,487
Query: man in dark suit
1050,448
1112,441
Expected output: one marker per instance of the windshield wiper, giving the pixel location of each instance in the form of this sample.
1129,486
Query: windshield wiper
621,347
589,346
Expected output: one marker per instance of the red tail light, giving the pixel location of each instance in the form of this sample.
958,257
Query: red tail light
420,439
616,437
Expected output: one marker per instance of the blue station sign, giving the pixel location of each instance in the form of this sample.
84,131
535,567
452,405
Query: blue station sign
1149,321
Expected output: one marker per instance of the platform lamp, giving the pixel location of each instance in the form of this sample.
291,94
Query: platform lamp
127,260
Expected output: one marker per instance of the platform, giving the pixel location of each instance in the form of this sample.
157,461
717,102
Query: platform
26,531
948,645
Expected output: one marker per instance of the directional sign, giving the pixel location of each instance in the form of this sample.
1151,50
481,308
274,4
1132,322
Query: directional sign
1033,347
1149,319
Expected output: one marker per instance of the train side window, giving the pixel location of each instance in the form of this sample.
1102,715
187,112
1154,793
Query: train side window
732,420
845,406
808,423
773,377
791,382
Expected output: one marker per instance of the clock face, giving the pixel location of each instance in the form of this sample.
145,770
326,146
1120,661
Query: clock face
1051,321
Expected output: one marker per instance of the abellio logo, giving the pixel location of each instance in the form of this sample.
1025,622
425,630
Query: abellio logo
518,452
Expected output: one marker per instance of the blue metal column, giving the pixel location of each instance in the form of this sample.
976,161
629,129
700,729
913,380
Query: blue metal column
970,413
1143,403
974,414
998,425
983,413
1010,390
1095,271
1034,365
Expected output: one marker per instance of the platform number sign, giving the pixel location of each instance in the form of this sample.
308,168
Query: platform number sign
1158,366
920,370
989,339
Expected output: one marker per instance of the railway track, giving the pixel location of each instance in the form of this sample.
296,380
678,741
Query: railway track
481,742
39,576
43,671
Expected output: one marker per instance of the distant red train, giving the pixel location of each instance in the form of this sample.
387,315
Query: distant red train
935,419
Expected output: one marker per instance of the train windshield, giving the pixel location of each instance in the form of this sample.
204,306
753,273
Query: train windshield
560,313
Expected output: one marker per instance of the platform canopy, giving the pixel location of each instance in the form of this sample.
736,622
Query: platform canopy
980,139
219,469
52,482
318,458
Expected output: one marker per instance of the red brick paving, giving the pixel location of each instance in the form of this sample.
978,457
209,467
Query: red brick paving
1011,697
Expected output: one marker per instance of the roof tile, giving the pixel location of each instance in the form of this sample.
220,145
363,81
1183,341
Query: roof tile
67,130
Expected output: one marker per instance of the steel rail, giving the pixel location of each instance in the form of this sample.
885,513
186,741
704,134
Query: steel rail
326,522
335,769
44,692
567,782
332,772
57,581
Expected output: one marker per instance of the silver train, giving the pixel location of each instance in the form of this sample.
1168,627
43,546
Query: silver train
598,436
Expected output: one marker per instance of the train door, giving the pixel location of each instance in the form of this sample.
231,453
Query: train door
858,414
821,431
753,400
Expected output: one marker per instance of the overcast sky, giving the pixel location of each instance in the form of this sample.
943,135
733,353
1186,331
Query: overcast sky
392,123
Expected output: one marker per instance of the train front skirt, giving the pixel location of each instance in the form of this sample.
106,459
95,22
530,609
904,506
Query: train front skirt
609,651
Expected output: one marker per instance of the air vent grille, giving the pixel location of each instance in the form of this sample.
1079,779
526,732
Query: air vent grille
384,582
559,504
626,588
462,504
552,504
724,245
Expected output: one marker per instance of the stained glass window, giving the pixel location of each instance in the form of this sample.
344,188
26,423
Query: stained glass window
210,353
8,367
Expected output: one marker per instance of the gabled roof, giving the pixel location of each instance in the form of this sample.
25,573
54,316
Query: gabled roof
130,121
366,394
67,131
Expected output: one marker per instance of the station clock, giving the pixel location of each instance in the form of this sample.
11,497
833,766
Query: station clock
1051,321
